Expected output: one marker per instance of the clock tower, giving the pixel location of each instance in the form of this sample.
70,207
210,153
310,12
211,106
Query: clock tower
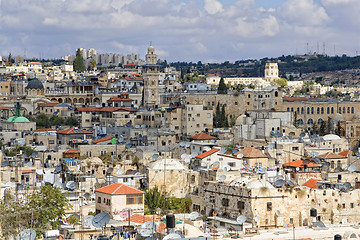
151,79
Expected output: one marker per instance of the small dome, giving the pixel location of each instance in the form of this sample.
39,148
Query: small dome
35,84
330,137
17,119
257,184
337,117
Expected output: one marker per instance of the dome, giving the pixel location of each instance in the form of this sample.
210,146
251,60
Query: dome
35,84
331,137
17,119
356,117
257,184
337,117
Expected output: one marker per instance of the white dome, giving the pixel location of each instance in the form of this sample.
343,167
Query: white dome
171,164
257,184
337,117
330,137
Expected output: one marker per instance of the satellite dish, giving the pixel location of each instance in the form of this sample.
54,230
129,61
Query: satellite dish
109,171
155,156
240,155
5,163
86,196
277,213
347,185
297,169
193,216
279,183
183,156
58,184
302,134
29,164
241,219
215,166
101,219
58,169
39,172
88,220
28,234
257,219
326,164
352,168
71,185
221,178
193,155
226,168
145,232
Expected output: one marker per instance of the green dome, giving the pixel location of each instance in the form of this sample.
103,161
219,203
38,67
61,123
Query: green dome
35,84
18,119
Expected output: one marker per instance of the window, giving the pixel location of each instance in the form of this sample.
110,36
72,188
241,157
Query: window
291,221
352,205
232,164
241,205
343,205
225,202
134,199
236,103
295,148
269,206
99,199
209,115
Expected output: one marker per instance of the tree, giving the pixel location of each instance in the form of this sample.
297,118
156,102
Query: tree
56,121
338,129
78,64
40,210
222,89
280,82
295,119
322,129
92,64
71,121
155,199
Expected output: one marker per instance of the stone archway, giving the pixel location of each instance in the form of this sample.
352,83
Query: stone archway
67,100
74,100
60,100
96,100
88,100
53,100
81,100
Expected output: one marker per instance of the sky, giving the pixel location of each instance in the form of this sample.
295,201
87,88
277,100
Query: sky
180,30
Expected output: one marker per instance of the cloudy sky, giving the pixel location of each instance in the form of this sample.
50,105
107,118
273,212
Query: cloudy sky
180,30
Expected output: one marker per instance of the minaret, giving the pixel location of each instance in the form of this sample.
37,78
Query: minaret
151,79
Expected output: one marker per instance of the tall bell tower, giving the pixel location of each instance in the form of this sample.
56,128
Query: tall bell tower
151,79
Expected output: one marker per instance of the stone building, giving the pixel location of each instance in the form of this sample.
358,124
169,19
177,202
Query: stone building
258,198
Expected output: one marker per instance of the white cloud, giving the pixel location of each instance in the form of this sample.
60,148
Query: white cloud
213,6
50,21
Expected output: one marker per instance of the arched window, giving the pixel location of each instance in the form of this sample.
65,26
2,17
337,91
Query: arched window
298,110
332,164
322,110
302,110
344,110
339,164
348,110
352,109
312,110
320,120
308,110
318,110
310,121
276,94
300,121
332,110
288,109
340,110
292,109
328,110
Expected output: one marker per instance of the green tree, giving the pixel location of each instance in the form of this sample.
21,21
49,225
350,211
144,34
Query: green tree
40,210
338,129
155,199
280,82
72,121
92,64
224,119
56,121
73,220
78,64
222,89
42,121
295,119
217,116
322,129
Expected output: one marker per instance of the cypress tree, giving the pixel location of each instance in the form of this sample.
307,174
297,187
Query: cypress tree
222,89
78,64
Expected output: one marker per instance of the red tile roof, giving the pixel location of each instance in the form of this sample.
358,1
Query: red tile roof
117,99
104,139
130,65
118,189
45,130
203,136
208,153
330,155
311,183
293,99
141,219
74,130
300,163
251,152
99,109
124,94
5,108
134,79
49,104
346,153
71,151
